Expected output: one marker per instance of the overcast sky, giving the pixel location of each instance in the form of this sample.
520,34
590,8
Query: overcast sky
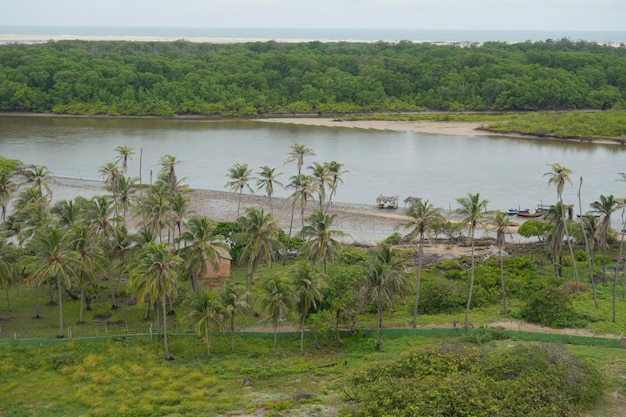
401,14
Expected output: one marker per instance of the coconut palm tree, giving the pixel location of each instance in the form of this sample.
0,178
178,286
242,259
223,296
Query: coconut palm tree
37,176
335,172
307,284
232,299
53,256
260,241
154,209
240,176
422,217
321,179
7,188
167,173
297,153
92,257
387,275
153,277
472,210
321,244
555,216
268,180
206,312
202,247
124,154
605,206
500,220
583,220
275,298
179,209
559,176
7,274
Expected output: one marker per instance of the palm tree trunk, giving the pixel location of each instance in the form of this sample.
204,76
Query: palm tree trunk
82,302
208,340
6,290
168,357
275,320
293,209
37,287
571,251
232,333
471,288
504,310
379,323
60,334
302,318
587,249
419,279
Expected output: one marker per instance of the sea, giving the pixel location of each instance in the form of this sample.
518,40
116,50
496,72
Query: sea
319,34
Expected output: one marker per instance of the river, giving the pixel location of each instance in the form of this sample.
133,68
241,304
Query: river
508,172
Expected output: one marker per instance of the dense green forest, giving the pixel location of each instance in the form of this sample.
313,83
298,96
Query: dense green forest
177,78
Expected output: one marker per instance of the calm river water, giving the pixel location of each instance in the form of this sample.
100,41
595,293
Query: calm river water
441,168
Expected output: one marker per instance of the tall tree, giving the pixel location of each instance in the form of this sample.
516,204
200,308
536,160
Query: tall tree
472,209
321,244
153,277
201,248
422,217
232,296
296,153
321,179
500,221
307,284
605,206
206,312
559,176
586,239
53,256
335,171
124,154
556,217
240,176
37,176
387,275
7,188
260,241
167,174
268,180
275,298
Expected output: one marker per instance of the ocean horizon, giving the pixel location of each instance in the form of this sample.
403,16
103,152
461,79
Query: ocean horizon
317,34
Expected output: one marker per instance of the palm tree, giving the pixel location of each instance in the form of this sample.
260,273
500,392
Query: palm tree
125,192
202,247
7,187
556,217
53,256
167,173
92,258
307,287
297,153
583,228
604,207
124,154
320,243
154,209
422,217
387,275
37,176
206,311
267,180
7,274
232,299
559,176
321,179
335,172
472,208
153,277
111,174
260,239
501,222
179,209
275,299
240,176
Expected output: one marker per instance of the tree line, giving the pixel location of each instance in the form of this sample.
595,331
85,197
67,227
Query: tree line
182,78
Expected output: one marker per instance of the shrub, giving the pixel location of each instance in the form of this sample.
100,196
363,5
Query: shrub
551,307
351,255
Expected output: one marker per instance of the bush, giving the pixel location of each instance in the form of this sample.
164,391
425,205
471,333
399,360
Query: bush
351,255
450,379
551,307
440,295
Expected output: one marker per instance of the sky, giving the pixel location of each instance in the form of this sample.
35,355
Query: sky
573,15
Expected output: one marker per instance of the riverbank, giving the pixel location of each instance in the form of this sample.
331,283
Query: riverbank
365,225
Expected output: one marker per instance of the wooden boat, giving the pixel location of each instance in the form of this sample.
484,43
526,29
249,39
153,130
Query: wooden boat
513,211
528,214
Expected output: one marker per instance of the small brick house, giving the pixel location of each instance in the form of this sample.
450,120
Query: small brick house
214,276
